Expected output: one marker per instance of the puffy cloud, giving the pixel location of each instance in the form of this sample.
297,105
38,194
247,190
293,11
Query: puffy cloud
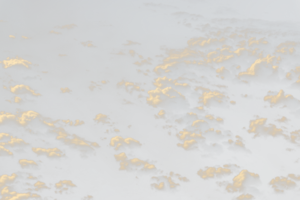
5,151
187,144
164,67
64,187
131,43
40,185
238,145
25,37
88,44
18,99
54,152
25,163
215,99
66,26
245,182
160,5
55,32
62,55
27,116
274,99
76,123
164,184
167,98
15,61
65,90
87,197
210,172
12,37
119,141
127,164
245,197
4,116
129,87
260,128
6,178
101,118
18,88
7,195
281,183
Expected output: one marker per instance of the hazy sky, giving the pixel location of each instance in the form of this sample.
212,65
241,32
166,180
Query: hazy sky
181,99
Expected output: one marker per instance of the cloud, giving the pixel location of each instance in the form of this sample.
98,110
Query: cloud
168,99
135,165
25,37
103,119
131,43
62,55
164,184
88,44
28,164
129,87
65,90
64,187
16,63
51,153
121,144
66,26
281,183
55,32
21,89
12,37
159,5
222,10
245,182
217,172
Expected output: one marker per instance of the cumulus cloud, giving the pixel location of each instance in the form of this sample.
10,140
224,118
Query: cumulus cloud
245,182
65,90
28,164
129,87
217,172
121,144
12,37
135,165
64,187
21,89
66,26
51,153
26,37
164,184
160,5
88,44
55,32
16,63
167,98
131,43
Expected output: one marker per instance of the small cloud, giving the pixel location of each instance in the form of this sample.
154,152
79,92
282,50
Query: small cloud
62,55
55,32
66,26
131,43
88,44
12,37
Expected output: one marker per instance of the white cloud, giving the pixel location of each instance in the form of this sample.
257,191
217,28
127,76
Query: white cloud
280,184
66,26
25,37
88,44
51,153
65,90
121,144
129,87
21,89
62,55
16,63
131,43
135,165
28,164
64,187
164,184
217,172
12,37
160,5
55,32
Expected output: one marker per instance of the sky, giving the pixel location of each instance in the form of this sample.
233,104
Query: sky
181,99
